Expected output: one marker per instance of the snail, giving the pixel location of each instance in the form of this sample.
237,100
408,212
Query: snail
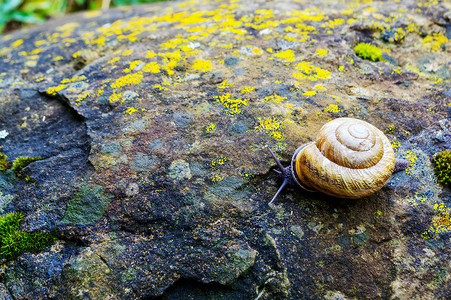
349,159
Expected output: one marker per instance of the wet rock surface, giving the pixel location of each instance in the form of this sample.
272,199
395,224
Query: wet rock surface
153,120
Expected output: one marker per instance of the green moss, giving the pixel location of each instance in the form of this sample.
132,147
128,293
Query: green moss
14,242
368,51
442,167
4,164
20,163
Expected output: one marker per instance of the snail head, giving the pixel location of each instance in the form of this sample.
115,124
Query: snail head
285,173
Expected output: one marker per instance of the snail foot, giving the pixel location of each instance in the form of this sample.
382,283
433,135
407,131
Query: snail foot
401,164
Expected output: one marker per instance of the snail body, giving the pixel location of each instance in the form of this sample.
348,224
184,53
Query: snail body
349,159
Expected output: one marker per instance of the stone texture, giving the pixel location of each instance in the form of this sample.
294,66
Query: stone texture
153,122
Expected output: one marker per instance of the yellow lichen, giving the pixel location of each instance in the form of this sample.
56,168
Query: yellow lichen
160,87
152,67
441,222
40,43
218,161
224,85
55,89
127,52
439,206
395,145
391,128
333,23
287,55
437,80
397,71
333,108
412,157
128,79
113,60
233,106
321,52
202,65
273,126
74,79
82,97
216,178
150,54
133,65
274,98
130,110
101,90
309,93
115,96
247,89
16,43
310,72
435,41
211,127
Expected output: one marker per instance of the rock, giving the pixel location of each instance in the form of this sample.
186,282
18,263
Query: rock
143,162
231,61
179,170
153,120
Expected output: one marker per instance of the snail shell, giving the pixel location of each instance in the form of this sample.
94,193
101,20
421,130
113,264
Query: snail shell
349,159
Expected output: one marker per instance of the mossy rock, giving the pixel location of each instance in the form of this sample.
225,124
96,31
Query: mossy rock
153,122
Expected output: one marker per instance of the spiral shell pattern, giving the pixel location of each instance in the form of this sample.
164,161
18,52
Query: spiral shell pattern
349,159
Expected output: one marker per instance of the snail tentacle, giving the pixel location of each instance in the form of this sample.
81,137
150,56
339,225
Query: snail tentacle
279,164
284,183
285,173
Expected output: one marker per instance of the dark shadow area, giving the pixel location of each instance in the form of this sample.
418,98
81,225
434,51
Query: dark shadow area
190,289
